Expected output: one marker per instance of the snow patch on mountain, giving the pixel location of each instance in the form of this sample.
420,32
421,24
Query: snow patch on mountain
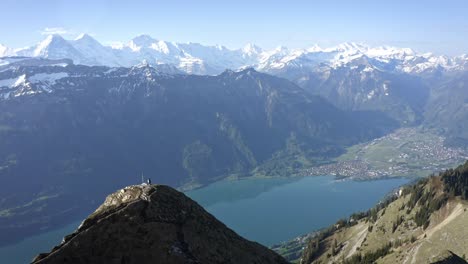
5,51
13,82
49,78
195,58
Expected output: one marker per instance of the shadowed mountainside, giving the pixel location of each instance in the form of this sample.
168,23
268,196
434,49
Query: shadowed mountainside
155,223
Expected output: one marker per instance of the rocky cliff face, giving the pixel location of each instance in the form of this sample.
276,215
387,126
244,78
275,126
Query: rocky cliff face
155,224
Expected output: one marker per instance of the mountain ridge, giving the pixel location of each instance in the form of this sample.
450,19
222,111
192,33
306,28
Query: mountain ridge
397,81
65,126
155,223
196,58
421,223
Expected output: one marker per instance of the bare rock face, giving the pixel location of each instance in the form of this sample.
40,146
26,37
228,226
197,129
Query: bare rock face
155,224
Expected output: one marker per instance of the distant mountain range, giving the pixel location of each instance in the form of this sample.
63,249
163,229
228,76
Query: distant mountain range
71,133
196,58
400,82
75,112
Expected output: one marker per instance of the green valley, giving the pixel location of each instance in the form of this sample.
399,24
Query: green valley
407,152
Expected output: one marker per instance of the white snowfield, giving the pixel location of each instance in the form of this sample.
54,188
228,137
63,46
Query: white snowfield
13,82
49,78
44,78
194,58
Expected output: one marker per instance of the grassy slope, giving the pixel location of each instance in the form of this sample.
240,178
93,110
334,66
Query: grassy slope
410,243
406,152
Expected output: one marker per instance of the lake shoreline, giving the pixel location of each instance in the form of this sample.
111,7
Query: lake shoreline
60,224
244,192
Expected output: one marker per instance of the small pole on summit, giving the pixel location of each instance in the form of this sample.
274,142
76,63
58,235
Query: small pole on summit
142,178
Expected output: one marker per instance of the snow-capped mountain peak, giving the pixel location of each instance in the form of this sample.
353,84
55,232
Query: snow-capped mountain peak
141,41
314,48
94,53
352,47
85,38
390,52
5,51
196,58
54,41
251,49
164,47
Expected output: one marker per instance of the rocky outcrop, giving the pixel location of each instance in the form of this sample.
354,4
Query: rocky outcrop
155,224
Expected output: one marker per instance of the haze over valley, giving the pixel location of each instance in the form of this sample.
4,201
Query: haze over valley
354,151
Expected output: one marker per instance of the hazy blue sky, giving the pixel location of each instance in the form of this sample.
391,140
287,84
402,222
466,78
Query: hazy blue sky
428,25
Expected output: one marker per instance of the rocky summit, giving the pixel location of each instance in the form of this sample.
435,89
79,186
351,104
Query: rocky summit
155,224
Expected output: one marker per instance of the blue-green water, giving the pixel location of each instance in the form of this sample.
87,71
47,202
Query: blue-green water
26,250
271,211
265,210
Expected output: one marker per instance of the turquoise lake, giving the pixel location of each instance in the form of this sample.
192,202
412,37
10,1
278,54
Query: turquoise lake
268,211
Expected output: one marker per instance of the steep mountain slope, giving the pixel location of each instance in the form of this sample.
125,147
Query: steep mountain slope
54,47
352,76
447,109
155,224
361,86
422,223
94,52
70,134
6,51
